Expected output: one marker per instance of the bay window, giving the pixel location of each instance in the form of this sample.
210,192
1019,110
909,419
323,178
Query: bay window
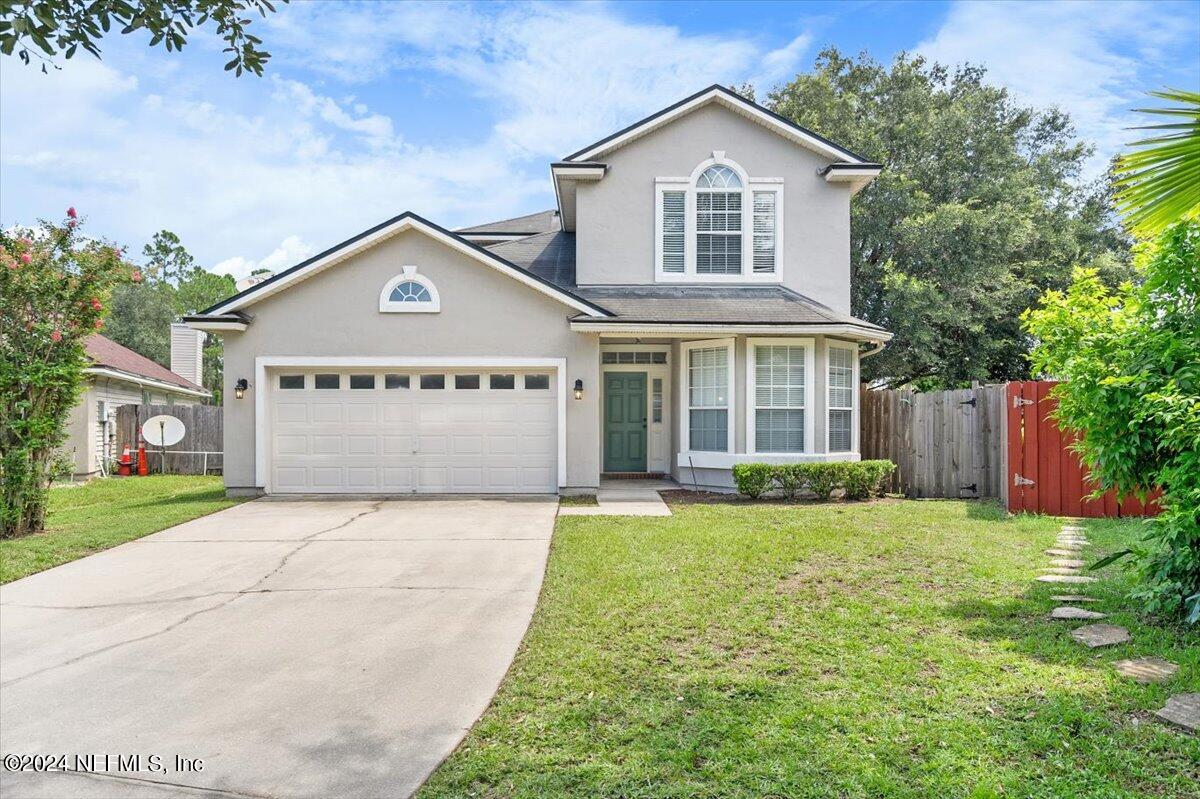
841,398
779,395
709,369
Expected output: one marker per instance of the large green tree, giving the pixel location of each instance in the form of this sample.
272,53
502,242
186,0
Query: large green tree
174,285
979,210
39,30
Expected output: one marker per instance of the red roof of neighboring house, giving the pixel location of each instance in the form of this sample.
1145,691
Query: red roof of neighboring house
107,353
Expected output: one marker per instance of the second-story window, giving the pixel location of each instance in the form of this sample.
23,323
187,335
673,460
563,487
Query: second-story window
718,225
718,222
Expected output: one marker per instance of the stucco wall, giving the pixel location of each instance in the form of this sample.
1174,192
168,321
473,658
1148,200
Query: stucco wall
483,313
615,216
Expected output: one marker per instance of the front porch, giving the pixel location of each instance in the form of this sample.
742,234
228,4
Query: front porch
690,408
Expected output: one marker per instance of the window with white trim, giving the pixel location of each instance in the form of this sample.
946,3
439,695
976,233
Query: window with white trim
841,399
718,222
708,399
779,398
409,292
718,225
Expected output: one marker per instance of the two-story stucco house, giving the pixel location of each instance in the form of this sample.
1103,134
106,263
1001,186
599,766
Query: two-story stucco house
686,307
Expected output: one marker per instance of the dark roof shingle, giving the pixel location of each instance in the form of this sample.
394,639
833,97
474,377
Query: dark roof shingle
541,222
107,353
550,256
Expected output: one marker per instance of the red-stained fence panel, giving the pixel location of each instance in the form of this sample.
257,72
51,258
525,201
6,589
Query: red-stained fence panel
1044,474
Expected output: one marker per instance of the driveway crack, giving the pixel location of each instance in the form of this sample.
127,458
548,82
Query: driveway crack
375,507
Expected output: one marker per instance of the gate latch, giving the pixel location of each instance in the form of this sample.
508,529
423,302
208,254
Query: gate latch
1018,480
1019,401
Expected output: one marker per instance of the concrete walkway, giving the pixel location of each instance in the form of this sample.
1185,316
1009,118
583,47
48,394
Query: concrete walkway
298,649
625,498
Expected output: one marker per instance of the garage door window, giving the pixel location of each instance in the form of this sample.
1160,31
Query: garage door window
466,382
362,381
328,381
537,382
433,381
291,381
502,381
395,381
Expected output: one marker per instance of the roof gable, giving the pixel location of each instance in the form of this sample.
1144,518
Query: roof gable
382,232
104,353
733,101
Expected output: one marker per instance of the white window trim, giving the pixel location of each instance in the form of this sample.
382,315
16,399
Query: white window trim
810,375
409,274
688,186
854,423
685,392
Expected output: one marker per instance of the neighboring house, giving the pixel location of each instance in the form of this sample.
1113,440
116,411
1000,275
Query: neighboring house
686,307
119,376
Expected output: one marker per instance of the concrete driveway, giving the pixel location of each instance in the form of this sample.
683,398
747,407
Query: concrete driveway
294,648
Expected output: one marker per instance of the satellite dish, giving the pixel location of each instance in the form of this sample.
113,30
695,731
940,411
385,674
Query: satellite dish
163,430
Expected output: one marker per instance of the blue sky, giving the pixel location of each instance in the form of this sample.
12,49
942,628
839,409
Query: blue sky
454,110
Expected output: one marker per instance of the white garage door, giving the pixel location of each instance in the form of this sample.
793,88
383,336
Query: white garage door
400,431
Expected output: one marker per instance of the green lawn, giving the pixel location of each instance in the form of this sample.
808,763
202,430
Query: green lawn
103,513
895,649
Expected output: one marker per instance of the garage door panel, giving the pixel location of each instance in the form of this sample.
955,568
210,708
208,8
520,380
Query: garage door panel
413,440
362,445
326,412
326,444
359,413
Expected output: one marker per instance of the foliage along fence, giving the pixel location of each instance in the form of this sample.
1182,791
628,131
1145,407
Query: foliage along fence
944,443
1044,475
203,433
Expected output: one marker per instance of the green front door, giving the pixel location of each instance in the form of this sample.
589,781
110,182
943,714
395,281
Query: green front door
624,421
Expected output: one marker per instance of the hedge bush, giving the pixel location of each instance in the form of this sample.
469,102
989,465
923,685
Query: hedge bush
857,479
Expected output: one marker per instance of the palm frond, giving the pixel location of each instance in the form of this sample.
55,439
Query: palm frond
1160,183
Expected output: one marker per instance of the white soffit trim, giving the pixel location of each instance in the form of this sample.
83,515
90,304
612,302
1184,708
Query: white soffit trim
384,232
624,329
734,103
113,374
217,326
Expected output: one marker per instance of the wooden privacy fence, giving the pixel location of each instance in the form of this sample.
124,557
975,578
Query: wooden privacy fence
1044,475
944,443
199,452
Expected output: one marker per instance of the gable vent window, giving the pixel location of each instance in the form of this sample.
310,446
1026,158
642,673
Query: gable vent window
673,205
718,222
764,232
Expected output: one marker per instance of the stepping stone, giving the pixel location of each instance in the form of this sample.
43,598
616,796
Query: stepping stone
1147,670
1073,528
1065,578
1061,552
1063,539
1072,598
1060,570
1067,612
1094,635
1183,711
1067,563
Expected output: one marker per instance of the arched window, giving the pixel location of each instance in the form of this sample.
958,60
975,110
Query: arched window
409,292
718,222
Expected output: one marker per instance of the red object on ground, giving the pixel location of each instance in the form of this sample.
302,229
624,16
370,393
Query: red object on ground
125,464
143,467
1044,474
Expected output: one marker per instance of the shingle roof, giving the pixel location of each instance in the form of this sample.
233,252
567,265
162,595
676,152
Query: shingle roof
550,256
715,304
108,353
541,222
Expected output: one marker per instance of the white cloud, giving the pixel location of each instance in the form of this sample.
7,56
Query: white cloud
145,140
290,252
1089,59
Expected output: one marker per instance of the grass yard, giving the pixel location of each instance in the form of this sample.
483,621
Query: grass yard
895,649
103,513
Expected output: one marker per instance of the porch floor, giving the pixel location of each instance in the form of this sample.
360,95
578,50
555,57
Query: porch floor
626,498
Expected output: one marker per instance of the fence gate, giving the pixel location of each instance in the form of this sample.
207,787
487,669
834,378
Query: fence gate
1044,475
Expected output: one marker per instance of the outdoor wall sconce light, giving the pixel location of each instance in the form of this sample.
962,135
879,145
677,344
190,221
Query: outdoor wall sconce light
239,388
578,389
